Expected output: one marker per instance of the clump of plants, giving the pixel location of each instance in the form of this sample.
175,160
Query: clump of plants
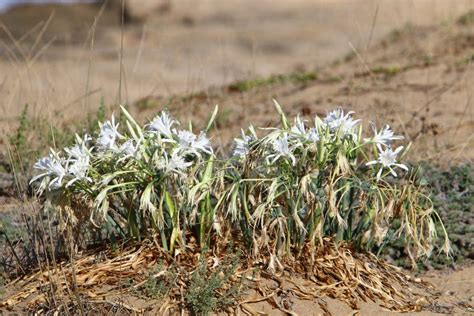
160,281
299,183
33,136
450,189
212,291
278,193
452,194
133,181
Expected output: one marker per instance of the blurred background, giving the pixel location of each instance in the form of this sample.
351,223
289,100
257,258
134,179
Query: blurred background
63,58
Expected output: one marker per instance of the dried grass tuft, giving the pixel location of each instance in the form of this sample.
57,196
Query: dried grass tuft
98,277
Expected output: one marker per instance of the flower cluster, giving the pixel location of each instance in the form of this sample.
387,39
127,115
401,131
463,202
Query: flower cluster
296,183
171,151
337,122
57,171
306,180
335,130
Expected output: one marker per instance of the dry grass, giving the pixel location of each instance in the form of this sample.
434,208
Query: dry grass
98,278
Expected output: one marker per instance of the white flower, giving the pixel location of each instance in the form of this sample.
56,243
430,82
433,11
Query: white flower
130,148
77,152
108,135
387,158
188,142
78,169
163,124
281,148
175,163
186,139
203,144
78,161
336,120
80,149
384,137
242,145
313,135
299,128
334,116
85,140
51,166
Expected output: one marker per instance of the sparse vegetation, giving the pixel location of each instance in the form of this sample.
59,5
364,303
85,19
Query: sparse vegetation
146,104
213,291
453,197
387,71
296,77
160,281
467,18
397,34
34,136
461,64
223,118
451,192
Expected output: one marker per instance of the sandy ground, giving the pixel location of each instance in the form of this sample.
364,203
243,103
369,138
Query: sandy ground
195,45
454,287
419,79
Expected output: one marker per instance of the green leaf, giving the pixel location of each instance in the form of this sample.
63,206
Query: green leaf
284,120
175,219
212,119
132,121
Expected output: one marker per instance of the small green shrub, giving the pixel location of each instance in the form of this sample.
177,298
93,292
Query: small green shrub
212,291
155,178
299,184
461,64
19,138
160,281
2,284
450,190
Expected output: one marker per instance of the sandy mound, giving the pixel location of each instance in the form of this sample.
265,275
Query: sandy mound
63,24
417,79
